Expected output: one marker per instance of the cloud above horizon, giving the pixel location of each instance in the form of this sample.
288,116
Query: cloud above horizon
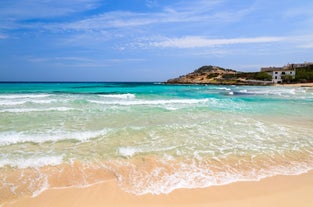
175,34
3,36
195,41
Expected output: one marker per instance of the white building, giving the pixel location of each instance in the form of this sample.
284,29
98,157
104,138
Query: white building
278,73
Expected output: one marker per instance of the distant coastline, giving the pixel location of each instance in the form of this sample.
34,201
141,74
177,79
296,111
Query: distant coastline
291,74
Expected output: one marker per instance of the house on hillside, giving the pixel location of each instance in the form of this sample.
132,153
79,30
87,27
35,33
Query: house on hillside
280,73
298,65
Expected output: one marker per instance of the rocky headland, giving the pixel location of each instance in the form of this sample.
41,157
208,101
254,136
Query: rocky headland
221,76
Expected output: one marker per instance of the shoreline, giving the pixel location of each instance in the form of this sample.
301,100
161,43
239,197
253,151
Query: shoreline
284,190
234,84
296,84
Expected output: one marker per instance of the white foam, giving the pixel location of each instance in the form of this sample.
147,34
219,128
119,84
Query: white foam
32,161
119,96
10,102
272,91
23,110
141,180
128,151
19,96
42,101
224,88
151,102
43,187
12,137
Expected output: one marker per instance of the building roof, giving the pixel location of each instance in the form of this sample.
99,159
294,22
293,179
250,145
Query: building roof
272,69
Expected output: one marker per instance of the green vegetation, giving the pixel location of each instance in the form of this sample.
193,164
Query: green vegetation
287,79
212,75
217,75
263,76
206,69
249,76
304,74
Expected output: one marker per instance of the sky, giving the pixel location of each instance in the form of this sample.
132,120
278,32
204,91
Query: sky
148,40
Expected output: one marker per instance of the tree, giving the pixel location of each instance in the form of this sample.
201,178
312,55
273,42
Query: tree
304,74
263,76
287,78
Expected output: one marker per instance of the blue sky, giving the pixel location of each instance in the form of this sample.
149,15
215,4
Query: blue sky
148,40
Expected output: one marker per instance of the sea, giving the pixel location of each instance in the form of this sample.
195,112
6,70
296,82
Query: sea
151,138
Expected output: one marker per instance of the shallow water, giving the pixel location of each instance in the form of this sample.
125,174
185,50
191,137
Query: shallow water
152,138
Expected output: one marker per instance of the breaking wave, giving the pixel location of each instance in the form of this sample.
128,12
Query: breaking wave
12,137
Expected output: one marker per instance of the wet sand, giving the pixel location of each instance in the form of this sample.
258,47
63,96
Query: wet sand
275,191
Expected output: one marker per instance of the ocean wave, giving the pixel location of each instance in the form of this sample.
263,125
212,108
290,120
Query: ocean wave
151,176
35,162
278,92
145,175
151,102
21,102
23,110
19,96
12,137
130,151
119,96
224,88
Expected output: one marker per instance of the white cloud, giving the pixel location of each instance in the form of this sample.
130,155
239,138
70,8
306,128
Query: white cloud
198,6
196,41
81,61
110,20
200,12
151,3
195,11
3,36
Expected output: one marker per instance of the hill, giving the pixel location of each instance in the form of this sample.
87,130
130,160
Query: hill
218,75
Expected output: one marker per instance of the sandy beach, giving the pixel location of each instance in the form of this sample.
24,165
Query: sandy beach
296,85
155,145
275,191
156,103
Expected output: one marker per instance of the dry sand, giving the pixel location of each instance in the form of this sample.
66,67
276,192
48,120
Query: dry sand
275,191
296,84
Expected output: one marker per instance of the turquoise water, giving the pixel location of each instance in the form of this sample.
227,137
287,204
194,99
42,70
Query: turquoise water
153,138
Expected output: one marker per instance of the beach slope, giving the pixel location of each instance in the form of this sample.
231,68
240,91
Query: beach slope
275,191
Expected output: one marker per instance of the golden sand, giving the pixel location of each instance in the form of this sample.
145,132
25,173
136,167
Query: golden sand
296,84
275,191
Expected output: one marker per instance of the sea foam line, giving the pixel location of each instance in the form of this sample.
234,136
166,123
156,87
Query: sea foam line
11,137
20,102
151,102
120,96
23,163
19,96
36,109
140,180
130,151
